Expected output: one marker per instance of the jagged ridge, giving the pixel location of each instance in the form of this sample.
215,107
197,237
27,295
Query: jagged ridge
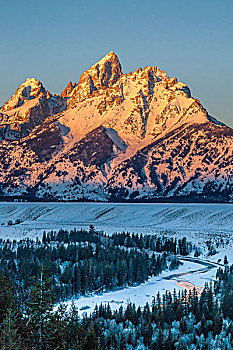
114,136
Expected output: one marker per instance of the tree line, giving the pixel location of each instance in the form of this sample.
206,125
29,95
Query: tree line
78,262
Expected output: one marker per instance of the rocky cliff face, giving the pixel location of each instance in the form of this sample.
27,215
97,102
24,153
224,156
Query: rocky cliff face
102,75
69,88
114,136
28,107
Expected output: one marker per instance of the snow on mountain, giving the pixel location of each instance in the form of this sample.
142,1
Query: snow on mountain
29,90
139,135
28,107
100,76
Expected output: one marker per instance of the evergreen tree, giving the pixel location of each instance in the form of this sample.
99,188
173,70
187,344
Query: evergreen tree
7,298
10,337
39,309
89,342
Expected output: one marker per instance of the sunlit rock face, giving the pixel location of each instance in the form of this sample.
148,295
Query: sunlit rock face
68,89
27,108
27,91
102,75
114,136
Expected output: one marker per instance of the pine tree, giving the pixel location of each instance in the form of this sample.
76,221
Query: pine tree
7,298
39,309
44,238
10,336
225,260
57,335
157,344
89,342
217,324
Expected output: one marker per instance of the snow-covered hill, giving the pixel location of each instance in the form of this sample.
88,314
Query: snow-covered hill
114,136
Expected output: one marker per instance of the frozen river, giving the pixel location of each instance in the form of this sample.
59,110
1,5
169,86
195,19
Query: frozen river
187,276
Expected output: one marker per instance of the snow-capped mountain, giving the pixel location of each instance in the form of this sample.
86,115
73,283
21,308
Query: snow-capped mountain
114,136
27,108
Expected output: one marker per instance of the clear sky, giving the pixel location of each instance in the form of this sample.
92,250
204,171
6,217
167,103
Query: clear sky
55,41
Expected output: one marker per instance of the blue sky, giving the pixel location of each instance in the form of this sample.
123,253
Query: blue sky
55,41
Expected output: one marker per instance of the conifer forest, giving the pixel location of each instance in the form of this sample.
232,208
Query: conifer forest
37,277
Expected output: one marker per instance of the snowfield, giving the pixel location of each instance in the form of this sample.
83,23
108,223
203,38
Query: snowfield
194,220
198,222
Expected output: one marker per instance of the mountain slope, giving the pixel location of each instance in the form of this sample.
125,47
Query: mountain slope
194,161
114,136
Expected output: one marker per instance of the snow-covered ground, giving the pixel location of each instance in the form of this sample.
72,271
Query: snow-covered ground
198,222
186,276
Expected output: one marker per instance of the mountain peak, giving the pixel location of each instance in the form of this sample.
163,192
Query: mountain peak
111,56
28,90
101,75
68,89
108,69
31,81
